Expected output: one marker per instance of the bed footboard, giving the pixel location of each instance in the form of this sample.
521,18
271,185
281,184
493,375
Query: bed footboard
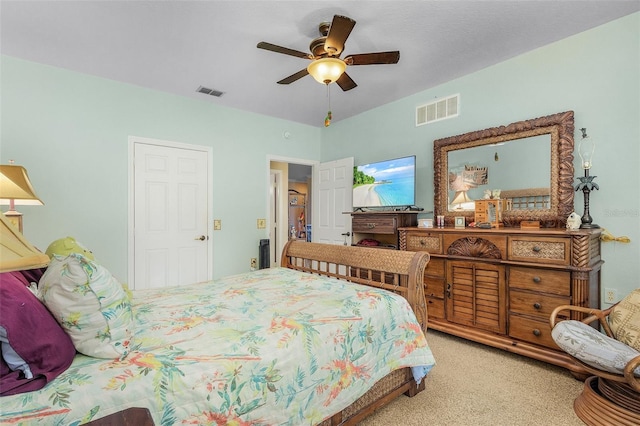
401,272
398,271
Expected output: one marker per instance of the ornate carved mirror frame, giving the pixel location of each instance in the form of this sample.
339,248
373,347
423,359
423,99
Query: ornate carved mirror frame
559,126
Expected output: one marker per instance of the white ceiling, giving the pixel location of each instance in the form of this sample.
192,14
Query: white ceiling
176,46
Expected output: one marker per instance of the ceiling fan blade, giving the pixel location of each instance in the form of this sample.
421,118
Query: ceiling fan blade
294,77
285,50
340,29
373,58
345,82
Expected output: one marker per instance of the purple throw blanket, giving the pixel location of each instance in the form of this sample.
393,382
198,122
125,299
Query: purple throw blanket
32,332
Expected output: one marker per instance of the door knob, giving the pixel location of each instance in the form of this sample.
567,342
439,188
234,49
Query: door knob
201,238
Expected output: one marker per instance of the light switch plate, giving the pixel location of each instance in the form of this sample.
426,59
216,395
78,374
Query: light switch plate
262,223
217,224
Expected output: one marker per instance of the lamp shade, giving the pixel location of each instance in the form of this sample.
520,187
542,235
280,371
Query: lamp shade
16,253
326,70
461,197
586,149
15,187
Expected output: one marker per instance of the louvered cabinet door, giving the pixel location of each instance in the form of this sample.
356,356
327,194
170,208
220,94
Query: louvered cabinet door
476,295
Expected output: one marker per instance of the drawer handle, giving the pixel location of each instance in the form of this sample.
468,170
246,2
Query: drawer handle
537,280
536,332
536,249
537,305
423,243
371,225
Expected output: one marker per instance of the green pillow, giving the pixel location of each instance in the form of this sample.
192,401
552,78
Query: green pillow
66,246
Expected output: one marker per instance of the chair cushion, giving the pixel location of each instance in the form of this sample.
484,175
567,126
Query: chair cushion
624,320
593,347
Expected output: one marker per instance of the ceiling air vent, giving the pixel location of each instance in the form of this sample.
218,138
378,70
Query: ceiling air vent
438,110
208,91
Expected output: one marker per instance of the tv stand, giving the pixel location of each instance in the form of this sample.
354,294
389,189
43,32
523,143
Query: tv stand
382,226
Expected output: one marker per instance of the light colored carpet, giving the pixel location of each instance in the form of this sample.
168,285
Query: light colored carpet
473,384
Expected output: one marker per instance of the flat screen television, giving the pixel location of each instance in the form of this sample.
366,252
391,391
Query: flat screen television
389,183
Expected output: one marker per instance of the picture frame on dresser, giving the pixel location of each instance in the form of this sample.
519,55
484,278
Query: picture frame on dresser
425,223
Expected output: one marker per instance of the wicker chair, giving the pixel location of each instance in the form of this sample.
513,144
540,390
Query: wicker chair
612,394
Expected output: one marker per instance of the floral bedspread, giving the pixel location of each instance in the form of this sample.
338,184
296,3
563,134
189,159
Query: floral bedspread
270,347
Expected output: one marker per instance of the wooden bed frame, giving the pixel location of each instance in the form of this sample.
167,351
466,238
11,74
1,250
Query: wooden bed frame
392,270
398,271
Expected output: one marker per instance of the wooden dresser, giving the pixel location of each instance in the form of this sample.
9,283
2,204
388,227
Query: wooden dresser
499,286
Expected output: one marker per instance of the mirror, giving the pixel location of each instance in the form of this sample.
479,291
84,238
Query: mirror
498,166
476,164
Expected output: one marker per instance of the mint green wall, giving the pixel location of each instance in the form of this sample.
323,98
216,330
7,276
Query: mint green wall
71,133
596,74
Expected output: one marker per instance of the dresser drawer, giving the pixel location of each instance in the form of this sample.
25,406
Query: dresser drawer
547,250
536,304
532,331
375,225
435,268
434,286
434,278
424,242
543,280
435,307
481,217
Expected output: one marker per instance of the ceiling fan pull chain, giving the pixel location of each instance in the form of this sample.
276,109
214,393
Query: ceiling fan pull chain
327,119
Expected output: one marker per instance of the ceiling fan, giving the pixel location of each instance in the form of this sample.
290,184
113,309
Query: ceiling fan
326,66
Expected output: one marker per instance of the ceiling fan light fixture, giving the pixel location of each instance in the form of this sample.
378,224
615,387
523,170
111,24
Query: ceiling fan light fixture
326,70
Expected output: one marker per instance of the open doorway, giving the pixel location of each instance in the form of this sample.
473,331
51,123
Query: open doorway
290,205
299,202
329,191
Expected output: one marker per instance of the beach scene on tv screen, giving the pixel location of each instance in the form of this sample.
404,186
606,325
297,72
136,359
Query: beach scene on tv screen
385,183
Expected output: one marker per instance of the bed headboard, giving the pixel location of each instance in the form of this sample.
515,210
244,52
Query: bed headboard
401,272
527,199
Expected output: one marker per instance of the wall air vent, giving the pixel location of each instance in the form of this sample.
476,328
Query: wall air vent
208,91
438,110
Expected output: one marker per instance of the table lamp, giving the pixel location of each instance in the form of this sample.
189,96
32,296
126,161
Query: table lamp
459,198
585,150
16,189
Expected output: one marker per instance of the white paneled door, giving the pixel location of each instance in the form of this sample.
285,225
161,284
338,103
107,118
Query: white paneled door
170,201
333,193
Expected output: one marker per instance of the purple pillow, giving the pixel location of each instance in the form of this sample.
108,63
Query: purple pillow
33,333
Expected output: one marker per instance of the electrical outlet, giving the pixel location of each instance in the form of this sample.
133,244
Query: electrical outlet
262,223
217,224
610,295
254,263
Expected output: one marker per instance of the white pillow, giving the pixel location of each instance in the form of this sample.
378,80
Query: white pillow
90,304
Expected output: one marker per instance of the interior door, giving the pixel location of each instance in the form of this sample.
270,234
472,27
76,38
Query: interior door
171,211
332,198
